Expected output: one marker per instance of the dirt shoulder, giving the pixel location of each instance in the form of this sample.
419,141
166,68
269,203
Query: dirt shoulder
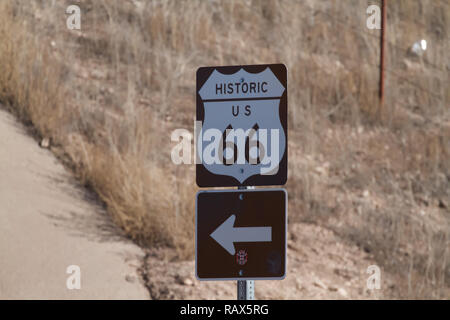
320,266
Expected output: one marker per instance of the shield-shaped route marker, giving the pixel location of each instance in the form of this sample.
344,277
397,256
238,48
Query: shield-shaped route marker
241,136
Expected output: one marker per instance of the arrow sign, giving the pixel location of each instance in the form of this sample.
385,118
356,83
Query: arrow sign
226,234
241,234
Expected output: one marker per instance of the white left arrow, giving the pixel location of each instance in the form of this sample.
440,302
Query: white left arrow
226,234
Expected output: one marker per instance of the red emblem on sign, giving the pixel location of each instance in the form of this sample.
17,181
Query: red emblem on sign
241,257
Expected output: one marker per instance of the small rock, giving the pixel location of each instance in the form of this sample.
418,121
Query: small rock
320,170
366,193
320,284
98,74
342,292
188,282
299,284
84,74
443,204
45,143
130,278
332,288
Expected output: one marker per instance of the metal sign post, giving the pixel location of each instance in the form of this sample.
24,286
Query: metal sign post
245,288
382,50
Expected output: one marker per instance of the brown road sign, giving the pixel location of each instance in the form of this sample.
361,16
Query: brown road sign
241,134
241,234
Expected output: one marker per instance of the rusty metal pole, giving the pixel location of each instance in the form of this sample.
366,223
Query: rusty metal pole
382,49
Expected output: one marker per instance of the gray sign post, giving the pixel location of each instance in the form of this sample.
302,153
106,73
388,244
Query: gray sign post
245,288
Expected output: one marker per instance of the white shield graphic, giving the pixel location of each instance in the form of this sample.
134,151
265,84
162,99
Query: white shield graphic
241,116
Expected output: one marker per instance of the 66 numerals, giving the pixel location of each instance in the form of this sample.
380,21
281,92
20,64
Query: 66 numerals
233,140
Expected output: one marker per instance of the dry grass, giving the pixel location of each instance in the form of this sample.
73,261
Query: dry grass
27,76
110,94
